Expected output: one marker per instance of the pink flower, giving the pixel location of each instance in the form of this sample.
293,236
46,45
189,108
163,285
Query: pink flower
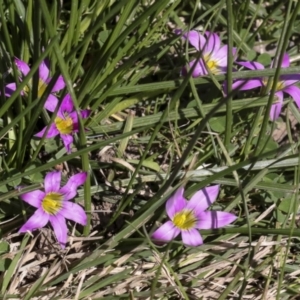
213,55
44,80
189,216
285,84
66,121
53,205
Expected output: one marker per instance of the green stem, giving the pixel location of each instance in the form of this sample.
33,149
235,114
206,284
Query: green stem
228,125
254,230
278,72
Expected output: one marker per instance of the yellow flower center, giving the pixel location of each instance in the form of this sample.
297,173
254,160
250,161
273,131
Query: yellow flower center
26,89
52,203
41,87
213,66
64,126
185,220
279,85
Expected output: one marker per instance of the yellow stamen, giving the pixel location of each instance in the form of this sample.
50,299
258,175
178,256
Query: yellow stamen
185,219
52,203
41,87
26,89
279,85
213,66
64,126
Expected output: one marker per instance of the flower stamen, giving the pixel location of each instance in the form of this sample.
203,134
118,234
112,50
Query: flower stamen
41,88
64,126
279,86
185,220
213,66
52,203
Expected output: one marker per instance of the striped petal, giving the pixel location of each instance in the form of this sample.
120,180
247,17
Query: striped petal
74,212
33,198
44,70
252,65
67,104
59,225
214,219
38,220
191,237
166,232
67,140
51,103
22,66
276,107
10,88
285,61
198,70
195,39
294,92
244,85
213,42
52,182
70,189
175,203
52,132
59,84
203,199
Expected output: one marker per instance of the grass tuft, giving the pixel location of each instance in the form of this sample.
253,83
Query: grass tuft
150,131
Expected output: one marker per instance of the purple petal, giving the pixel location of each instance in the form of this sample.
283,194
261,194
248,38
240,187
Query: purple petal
22,66
289,79
166,232
214,219
73,115
85,113
52,132
74,212
199,69
285,61
252,65
75,126
67,104
191,237
44,71
176,203
67,140
220,56
61,114
38,220
244,85
52,182
234,52
294,92
59,84
203,199
219,70
10,88
195,39
70,189
213,42
33,198
59,225
51,103
276,107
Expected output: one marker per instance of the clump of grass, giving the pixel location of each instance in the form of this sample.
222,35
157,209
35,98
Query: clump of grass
151,130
